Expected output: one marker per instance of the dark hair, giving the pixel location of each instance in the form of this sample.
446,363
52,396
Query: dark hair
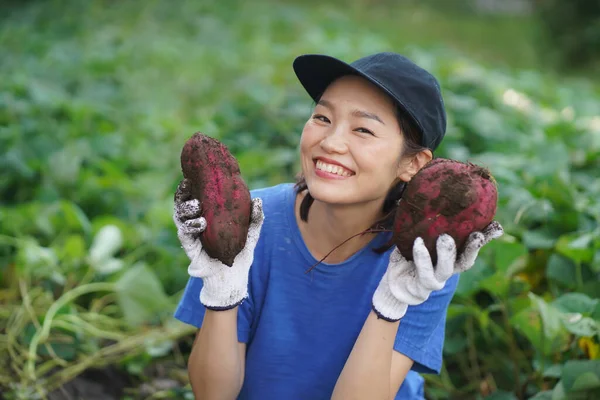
412,139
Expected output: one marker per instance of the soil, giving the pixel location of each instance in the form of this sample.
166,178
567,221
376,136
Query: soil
110,383
456,194
94,384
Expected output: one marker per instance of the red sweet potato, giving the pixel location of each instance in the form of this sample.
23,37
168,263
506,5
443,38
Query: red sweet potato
445,196
215,181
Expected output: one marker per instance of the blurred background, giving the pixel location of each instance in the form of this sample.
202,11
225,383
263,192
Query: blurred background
98,97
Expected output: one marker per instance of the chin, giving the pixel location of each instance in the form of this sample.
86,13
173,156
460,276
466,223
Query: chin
332,193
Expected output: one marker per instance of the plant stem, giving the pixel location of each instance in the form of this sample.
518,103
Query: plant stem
446,379
104,356
33,317
42,335
73,323
464,369
579,274
473,349
512,345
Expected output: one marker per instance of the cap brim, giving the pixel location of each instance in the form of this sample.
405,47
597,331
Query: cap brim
315,72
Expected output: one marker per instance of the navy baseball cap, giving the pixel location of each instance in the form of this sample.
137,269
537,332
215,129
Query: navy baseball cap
413,88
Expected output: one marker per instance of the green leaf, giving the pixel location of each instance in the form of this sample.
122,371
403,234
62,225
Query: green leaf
484,319
545,395
470,281
501,395
575,303
38,261
108,265
106,242
577,247
73,248
556,159
506,254
35,255
580,326
553,371
68,214
158,348
456,310
562,270
519,303
529,323
551,318
581,374
586,381
63,343
558,393
66,351
542,325
596,313
455,344
141,296
66,162
591,286
596,261
539,239
497,284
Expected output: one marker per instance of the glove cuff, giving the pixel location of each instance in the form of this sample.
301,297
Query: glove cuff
386,305
223,308
220,295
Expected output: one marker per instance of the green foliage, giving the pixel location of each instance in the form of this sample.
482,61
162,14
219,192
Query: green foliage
97,99
570,32
529,306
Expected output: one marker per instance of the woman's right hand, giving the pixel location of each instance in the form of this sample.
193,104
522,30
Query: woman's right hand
189,221
223,287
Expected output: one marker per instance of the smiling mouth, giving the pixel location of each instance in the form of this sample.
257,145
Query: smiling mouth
332,169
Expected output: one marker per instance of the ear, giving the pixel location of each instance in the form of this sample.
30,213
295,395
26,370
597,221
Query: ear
408,168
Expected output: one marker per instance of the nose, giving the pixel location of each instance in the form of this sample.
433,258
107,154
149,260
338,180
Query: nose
335,142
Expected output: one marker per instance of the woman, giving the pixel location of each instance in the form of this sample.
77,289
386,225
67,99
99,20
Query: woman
365,322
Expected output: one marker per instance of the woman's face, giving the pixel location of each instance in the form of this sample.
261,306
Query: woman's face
351,145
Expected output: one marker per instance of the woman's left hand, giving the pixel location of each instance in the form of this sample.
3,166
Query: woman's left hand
411,282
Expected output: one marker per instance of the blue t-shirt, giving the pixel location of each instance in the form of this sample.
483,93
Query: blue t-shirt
300,327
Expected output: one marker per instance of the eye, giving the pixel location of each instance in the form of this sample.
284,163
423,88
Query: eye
321,118
365,130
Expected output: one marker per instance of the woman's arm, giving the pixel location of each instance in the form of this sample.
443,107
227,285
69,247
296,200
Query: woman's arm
216,363
373,369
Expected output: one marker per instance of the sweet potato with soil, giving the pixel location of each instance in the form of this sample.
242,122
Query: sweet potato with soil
215,181
445,196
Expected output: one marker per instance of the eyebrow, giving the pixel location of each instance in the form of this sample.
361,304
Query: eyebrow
356,113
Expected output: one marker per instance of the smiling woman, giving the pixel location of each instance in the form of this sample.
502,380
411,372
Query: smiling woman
385,132
354,129
348,129
364,323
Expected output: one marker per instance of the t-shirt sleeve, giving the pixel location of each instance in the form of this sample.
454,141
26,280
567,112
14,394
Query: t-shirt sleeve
191,311
422,329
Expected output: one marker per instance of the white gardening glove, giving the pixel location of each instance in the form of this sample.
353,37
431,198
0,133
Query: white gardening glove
223,287
411,282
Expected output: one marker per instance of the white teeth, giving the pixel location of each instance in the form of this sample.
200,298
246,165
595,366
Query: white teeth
334,169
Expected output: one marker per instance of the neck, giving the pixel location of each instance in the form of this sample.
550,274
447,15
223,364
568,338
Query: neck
330,225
